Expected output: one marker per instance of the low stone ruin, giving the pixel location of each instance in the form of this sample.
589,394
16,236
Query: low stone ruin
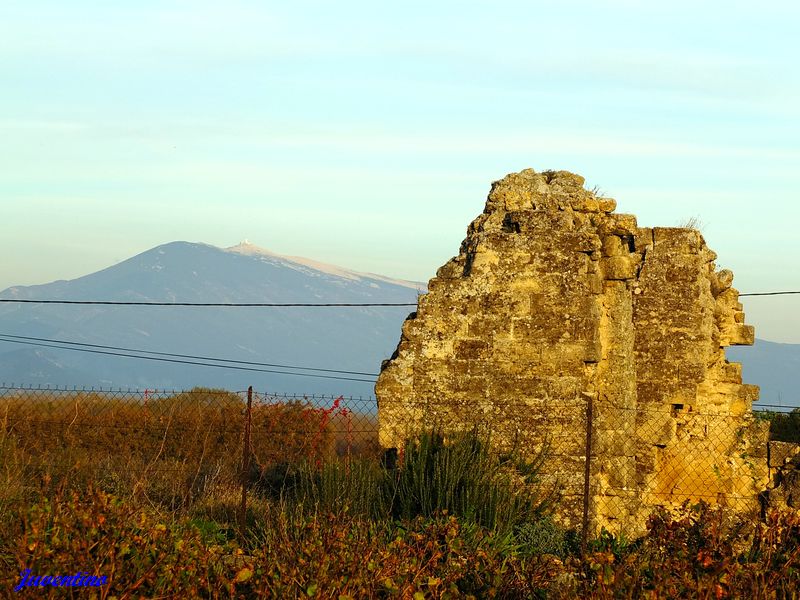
560,316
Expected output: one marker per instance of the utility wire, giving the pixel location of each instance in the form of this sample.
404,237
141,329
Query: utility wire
769,294
269,304
226,304
191,356
185,362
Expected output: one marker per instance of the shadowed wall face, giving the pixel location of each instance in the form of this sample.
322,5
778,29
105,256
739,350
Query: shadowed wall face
554,300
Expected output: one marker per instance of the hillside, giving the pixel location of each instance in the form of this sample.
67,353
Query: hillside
773,366
354,339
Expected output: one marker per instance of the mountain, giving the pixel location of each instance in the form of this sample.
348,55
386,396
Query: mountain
352,339
773,366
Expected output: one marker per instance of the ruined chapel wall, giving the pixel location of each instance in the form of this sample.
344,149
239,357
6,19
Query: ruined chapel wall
695,421
507,330
554,300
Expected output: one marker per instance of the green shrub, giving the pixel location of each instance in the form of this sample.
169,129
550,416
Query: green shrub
458,475
355,487
543,536
784,427
461,475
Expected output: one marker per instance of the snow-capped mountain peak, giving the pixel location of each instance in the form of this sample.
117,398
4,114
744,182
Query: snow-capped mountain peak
248,249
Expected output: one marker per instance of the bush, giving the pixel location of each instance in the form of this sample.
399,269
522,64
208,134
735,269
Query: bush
543,536
700,553
334,556
355,487
784,427
461,475
437,475
291,553
137,550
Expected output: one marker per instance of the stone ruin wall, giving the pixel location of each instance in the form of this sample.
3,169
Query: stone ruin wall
553,300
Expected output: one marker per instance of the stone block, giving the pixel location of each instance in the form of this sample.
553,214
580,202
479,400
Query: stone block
619,268
485,327
607,205
614,443
564,180
731,372
621,224
738,407
749,392
527,284
450,270
677,240
484,260
472,349
618,473
593,352
612,246
643,239
595,282
475,385
586,204
741,335
581,241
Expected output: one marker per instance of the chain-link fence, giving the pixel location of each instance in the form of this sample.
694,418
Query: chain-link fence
609,466
172,445
643,458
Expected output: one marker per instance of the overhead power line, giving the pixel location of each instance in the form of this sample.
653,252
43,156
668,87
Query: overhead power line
180,361
769,294
212,304
270,304
191,356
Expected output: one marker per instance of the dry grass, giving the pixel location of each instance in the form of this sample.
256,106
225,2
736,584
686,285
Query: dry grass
173,451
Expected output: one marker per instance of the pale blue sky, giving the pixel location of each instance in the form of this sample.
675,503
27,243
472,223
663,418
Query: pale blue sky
367,134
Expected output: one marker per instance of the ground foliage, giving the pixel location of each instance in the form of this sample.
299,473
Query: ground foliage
288,553
450,519
784,427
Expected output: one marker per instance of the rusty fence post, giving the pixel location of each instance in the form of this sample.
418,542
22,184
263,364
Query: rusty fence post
587,474
248,419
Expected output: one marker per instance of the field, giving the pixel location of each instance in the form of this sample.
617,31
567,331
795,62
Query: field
149,495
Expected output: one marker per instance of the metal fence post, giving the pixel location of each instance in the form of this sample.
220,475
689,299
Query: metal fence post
587,473
246,460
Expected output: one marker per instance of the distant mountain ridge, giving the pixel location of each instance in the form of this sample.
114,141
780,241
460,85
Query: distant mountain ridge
355,339
247,249
181,254
775,367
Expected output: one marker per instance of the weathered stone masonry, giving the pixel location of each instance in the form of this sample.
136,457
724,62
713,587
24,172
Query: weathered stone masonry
555,299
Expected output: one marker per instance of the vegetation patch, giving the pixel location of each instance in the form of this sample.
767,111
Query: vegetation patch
451,518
